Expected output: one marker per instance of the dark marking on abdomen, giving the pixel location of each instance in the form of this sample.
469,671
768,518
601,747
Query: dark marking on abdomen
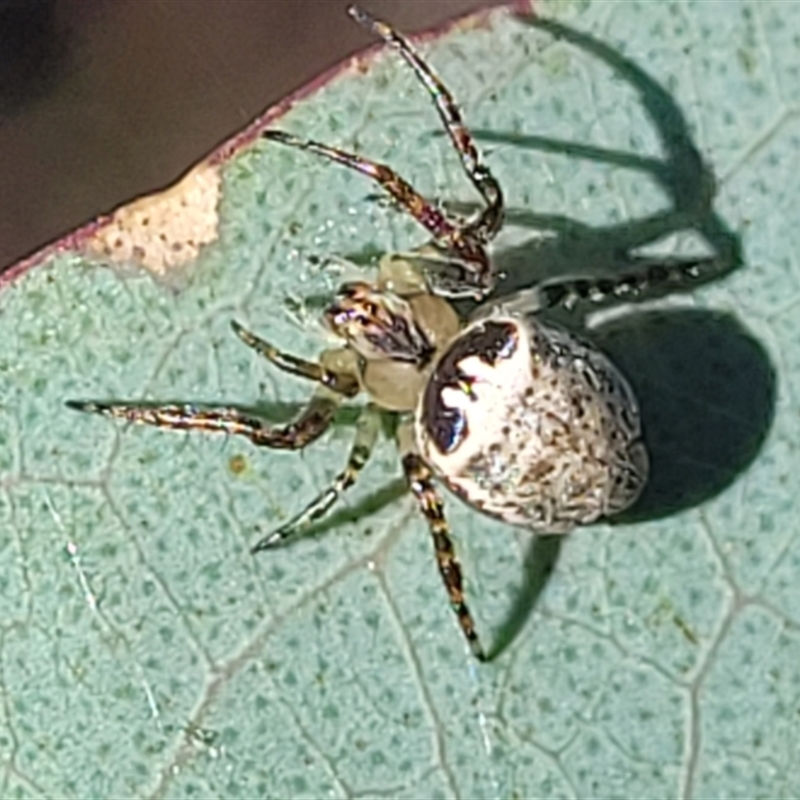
491,342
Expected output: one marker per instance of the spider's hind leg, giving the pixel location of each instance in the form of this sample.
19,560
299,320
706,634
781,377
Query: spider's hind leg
644,279
420,481
360,451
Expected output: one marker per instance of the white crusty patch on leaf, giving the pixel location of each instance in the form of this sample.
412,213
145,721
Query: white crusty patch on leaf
165,231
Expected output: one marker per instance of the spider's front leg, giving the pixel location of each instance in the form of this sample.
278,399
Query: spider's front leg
337,369
312,422
335,375
456,261
420,481
456,258
489,222
443,230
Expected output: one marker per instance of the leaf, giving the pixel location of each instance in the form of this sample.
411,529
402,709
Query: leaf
146,653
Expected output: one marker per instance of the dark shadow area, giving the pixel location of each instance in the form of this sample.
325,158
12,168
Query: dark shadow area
33,51
706,390
575,248
540,560
705,386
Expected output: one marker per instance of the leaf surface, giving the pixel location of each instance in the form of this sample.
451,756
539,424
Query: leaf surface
144,652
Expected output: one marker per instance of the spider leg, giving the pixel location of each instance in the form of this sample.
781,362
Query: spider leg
427,214
337,369
486,226
649,279
420,480
312,422
454,247
360,451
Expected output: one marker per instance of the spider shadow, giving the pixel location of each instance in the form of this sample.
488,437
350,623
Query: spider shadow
706,387
706,391
540,561
573,247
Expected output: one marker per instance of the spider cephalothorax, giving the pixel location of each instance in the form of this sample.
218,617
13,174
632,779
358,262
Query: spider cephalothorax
521,419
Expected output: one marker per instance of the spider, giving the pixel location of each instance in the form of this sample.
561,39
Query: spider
524,421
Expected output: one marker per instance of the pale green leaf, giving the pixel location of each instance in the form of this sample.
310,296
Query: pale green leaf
145,652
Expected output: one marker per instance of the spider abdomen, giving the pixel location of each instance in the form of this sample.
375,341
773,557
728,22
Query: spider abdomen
531,425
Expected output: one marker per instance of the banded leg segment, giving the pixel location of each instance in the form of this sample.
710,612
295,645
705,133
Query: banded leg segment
310,425
427,214
491,219
337,369
360,451
650,280
420,480
451,243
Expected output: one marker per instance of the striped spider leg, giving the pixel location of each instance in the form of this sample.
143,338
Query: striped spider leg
456,261
421,483
367,428
647,279
335,381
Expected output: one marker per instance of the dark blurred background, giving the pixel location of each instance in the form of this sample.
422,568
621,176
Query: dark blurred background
104,100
